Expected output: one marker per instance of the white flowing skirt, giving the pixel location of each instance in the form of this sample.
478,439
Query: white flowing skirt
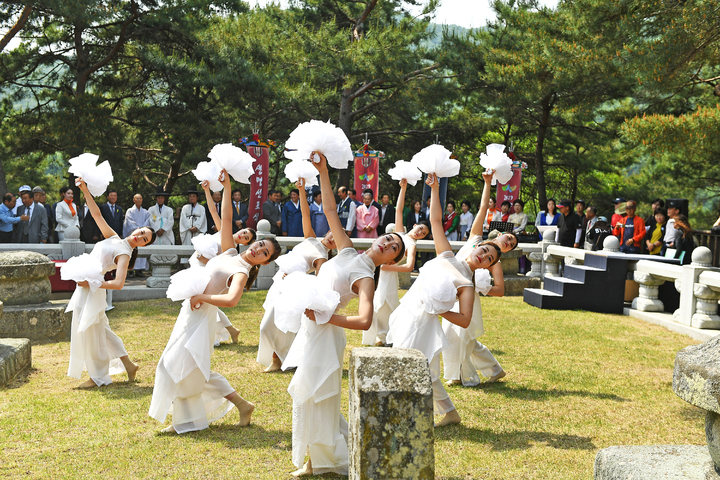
184,385
385,301
274,339
93,345
319,428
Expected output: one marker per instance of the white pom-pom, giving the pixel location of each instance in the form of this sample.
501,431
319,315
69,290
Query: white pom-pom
96,177
483,281
438,294
291,262
209,172
84,267
497,159
436,159
187,283
206,245
405,170
316,136
300,292
236,162
301,169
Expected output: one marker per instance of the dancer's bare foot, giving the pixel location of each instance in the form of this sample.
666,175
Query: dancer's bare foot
132,371
379,343
245,409
453,382
450,418
169,429
305,471
497,377
88,384
275,366
234,333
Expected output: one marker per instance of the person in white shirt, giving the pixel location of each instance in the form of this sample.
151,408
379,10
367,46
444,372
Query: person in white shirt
162,219
136,217
66,214
466,219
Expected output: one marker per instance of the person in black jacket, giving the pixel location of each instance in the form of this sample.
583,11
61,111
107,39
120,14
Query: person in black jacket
569,226
113,214
686,244
387,213
89,230
656,232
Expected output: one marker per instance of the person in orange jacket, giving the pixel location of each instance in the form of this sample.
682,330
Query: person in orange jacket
630,230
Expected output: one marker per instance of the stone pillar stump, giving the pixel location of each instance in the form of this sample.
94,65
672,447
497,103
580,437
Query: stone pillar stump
391,415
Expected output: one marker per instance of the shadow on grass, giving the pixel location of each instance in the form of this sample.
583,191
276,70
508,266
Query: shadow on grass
238,347
524,393
21,379
251,437
125,389
515,440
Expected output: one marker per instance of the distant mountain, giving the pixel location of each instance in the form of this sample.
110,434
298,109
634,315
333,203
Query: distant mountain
437,29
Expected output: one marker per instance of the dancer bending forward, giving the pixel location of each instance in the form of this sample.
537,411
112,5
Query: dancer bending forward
183,380
414,323
93,346
387,298
319,429
308,256
464,355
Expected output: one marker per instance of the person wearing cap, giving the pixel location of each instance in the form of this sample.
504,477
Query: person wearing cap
192,219
162,218
35,229
590,219
7,219
630,230
599,232
619,213
113,214
569,226
66,213
18,199
672,235
40,198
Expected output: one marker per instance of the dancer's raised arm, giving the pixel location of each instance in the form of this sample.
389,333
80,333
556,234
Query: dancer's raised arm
211,205
438,232
105,229
330,206
399,227
477,226
305,209
226,233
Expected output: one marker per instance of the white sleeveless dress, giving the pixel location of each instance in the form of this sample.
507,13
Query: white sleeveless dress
184,385
464,355
273,339
93,346
318,425
414,324
385,301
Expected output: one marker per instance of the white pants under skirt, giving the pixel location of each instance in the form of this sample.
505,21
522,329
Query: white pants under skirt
441,400
199,403
272,340
380,326
221,334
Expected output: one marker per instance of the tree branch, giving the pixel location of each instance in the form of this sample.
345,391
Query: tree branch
18,25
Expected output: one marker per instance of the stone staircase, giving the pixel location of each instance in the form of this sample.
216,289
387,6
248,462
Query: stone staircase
596,286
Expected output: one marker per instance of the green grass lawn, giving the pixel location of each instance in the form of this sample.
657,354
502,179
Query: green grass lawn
577,382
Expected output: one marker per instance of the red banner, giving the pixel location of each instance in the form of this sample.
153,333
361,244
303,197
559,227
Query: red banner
258,184
511,190
367,175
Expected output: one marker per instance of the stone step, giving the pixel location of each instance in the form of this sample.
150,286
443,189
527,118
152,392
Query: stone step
15,356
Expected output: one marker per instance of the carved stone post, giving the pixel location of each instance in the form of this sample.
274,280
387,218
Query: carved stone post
694,296
648,300
536,266
161,270
706,307
551,264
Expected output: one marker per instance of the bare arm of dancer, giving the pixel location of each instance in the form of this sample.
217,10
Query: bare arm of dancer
408,266
229,299
211,206
441,242
365,288
226,233
466,297
330,206
497,290
477,226
318,263
105,229
399,227
305,210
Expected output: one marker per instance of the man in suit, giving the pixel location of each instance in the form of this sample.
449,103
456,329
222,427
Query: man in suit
292,216
34,230
89,230
346,212
40,198
387,213
272,211
217,198
113,214
240,212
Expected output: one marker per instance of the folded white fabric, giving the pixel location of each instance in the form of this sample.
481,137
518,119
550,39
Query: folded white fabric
300,292
209,171
497,159
438,293
483,281
97,177
316,136
405,170
301,169
206,245
83,268
187,283
291,262
235,161
436,159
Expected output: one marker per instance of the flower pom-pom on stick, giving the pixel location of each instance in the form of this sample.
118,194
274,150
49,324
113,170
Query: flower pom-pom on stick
236,162
496,159
407,171
301,169
96,177
209,172
436,159
316,136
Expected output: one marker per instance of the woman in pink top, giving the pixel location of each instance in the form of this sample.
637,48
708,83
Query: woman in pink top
367,218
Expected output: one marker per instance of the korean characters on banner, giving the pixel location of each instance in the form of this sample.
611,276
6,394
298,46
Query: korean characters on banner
511,190
258,184
367,170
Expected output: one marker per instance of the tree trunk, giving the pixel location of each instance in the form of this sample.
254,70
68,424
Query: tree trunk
3,183
539,159
345,124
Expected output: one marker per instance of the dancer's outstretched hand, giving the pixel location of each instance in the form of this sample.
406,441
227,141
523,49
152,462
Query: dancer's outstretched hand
195,302
488,174
310,314
80,183
205,186
403,183
224,178
432,181
320,165
300,184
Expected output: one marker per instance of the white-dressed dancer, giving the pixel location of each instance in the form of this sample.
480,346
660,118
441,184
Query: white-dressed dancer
183,379
319,429
387,297
93,345
414,323
311,253
464,355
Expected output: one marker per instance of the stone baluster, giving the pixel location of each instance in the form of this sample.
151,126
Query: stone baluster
648,300
611,244
536,259
706,307
698,303
161,270
71,245
550,263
